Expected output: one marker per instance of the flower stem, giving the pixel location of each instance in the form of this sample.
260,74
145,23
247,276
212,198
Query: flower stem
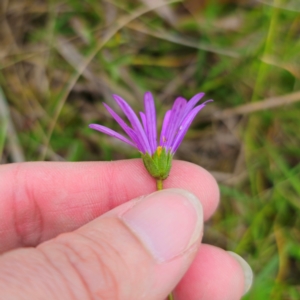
159,184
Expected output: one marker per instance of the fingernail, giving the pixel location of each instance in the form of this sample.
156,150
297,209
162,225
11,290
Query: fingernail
167,222
248,274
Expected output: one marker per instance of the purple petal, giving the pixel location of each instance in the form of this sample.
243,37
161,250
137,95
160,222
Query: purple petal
112,133
151,120
120,121
143,118
136,141
192,103
185,126
165,124
178,110
130,132
135,122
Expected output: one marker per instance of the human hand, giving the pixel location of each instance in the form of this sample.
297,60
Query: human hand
72,231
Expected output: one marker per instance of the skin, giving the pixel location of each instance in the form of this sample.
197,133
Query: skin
61,237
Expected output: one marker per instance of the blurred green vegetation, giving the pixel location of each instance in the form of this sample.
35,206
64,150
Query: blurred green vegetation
59,60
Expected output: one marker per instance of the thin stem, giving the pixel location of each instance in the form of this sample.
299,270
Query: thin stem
159,184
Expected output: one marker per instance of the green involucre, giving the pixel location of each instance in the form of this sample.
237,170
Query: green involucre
159,164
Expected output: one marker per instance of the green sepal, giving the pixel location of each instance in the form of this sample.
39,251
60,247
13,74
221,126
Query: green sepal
159,164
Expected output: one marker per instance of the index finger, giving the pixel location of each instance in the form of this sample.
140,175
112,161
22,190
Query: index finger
43,199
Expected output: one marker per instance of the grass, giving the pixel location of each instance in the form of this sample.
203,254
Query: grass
60,59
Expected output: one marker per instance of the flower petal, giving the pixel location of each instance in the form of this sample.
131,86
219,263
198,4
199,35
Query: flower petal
165,124
144,122
135,122
135,139
178,110
120,121
112,133
192,102
130,132
185,126
151,120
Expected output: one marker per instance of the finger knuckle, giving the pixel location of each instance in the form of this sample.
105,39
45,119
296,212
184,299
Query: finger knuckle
96,265
27,216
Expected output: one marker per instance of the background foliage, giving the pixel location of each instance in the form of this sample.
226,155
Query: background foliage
60,59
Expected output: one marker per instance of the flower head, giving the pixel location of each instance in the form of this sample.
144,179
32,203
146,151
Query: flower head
156,152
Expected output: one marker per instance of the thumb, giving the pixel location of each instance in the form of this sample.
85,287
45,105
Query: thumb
139,250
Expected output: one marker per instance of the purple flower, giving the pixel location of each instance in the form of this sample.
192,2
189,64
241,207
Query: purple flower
143,134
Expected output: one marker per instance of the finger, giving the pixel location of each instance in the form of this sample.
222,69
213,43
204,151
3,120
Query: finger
215,274
139,250
41,200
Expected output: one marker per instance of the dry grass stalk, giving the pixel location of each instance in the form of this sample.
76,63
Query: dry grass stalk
248,108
